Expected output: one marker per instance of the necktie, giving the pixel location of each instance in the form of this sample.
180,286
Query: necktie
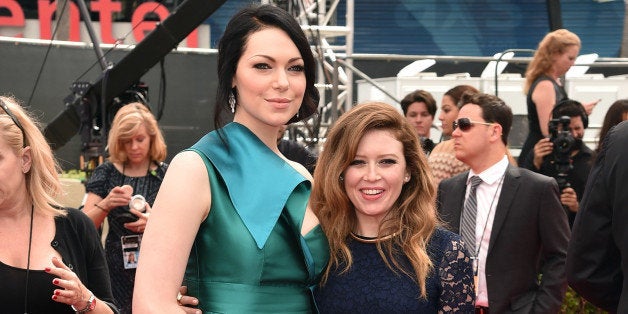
467,223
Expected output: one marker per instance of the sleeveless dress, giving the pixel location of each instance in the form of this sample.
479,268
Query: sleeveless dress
534,128
249,254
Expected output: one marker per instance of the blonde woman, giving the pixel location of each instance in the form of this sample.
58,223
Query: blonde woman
51,260
544,87
135,167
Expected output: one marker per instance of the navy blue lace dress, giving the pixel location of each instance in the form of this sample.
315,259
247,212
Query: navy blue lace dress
372,287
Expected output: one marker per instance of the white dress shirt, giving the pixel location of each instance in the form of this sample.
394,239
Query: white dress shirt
487,198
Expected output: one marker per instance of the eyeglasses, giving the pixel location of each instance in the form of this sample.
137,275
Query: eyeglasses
465,124
15,120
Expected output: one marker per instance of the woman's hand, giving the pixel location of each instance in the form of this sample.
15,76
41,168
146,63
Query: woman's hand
72,291
185,300
139,225
118,196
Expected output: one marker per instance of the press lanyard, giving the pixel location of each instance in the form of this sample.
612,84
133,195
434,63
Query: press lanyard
476,257
490,209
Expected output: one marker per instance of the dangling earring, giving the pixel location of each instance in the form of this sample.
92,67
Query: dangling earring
232,102
297,114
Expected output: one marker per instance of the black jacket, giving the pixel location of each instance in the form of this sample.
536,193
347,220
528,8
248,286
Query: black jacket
78,243
595,268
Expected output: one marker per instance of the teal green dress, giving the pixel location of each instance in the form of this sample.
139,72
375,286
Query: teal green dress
249,254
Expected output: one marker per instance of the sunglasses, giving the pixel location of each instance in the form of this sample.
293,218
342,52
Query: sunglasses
465,124
15,120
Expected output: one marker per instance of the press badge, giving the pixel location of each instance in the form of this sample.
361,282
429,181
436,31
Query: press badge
131,250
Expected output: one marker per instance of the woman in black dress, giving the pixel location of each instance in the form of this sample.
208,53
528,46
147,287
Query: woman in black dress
135,167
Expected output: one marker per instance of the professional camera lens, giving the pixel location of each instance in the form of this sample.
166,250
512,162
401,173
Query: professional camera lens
564,144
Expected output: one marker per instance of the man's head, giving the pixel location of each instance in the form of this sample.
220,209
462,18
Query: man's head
481,130
419,108
575,111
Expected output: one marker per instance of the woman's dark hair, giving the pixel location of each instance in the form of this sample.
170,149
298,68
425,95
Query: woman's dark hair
614,116
456,93
247,21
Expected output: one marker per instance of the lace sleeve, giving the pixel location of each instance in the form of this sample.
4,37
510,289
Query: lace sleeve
456,277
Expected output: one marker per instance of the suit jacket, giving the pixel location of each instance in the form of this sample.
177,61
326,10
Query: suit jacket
528,241
595,268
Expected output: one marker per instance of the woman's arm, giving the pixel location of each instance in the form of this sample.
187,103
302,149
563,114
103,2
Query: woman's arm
544,97
182,203
86,273
72,291
456,278
95,208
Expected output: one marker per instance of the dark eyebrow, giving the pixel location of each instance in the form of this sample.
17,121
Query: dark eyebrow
273,59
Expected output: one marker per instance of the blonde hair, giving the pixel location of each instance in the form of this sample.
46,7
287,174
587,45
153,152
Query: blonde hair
42,180
412,219
555,42
125,125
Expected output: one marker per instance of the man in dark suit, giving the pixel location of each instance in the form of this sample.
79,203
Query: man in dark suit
597,259
519,234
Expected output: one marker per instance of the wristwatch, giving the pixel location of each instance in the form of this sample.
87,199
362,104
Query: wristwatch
91,305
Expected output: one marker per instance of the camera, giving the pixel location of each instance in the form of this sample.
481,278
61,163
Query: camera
138,202
564,143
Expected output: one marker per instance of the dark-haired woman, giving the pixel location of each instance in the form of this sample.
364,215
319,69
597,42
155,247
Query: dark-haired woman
240,234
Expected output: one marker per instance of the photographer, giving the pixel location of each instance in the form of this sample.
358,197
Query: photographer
563,155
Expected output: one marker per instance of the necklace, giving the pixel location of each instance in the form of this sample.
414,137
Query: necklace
28,259
364,239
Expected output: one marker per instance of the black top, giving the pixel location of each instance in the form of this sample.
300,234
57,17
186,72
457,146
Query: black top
427,145
372,287
78,243
534,127
597,266
104,178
